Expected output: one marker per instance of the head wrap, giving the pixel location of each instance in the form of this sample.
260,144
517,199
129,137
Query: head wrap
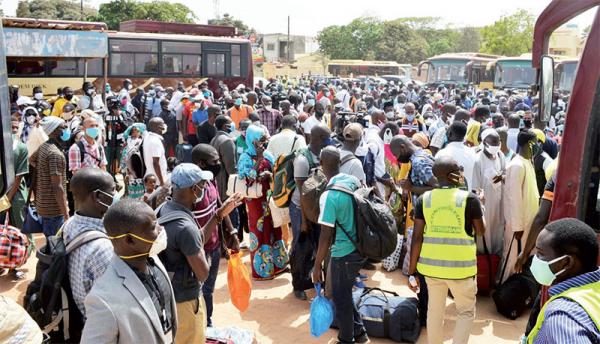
422,139
141,127
487,132
245,165
50,123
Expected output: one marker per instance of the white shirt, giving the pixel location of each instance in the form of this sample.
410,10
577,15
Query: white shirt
344,97
465,157
376,147
175,99
352,167
281,144
511,138
154,148
311,122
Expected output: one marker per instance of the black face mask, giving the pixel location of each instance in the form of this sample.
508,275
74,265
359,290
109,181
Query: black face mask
215,169
404,159
69,96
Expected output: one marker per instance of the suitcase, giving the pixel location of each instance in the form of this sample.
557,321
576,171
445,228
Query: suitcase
487,269
183,152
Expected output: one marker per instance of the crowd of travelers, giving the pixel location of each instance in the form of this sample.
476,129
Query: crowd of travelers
147,189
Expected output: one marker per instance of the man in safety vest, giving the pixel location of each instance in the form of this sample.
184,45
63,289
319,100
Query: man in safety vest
566,260
444,250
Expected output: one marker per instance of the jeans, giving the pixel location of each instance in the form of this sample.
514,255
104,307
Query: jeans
208,287
343,274
50,225
296,221
302,258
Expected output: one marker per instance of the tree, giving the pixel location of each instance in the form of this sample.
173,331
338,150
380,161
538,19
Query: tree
511,35
229,20
400,43
469,40
117,11
54,9
357,40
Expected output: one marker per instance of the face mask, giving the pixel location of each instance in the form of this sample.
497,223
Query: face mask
67,116
536,149
215,169
90,91
327,142
238,102
493,150
68,96
311,102
404,159
92,132
164,131
387,136
38,96
30,120
541,270
107,88
410,118
268,107
114,198
381,125
129,87
158,245
389,114
66,135
232,127
428,122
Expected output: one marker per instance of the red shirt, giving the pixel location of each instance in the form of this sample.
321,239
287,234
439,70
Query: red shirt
187,116
205,208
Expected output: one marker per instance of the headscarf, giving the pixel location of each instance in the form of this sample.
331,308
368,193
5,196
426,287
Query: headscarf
487,132
141,127
246,164
422,139
50,123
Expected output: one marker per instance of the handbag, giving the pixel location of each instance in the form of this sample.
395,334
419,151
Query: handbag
235,184
487,268
13,246
32,222
280,216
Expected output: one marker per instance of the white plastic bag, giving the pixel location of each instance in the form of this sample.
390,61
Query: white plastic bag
280,216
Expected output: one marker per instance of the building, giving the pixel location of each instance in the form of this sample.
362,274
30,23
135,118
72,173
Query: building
275,46
566,41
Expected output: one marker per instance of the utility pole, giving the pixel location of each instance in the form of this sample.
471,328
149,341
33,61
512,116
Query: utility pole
288,41
81,8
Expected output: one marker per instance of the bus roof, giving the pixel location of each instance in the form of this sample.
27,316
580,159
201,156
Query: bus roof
32,23
464,56
174,37
363,63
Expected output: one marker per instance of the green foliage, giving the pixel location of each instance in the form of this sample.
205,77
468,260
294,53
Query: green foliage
117,11
400,43
511,35
469,40
54,9
229,20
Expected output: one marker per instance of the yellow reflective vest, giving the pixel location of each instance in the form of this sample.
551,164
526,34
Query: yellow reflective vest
448,252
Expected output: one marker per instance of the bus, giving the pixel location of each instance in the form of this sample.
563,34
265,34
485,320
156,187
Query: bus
458,69
576,192
513,72
144,57
564,75
354,68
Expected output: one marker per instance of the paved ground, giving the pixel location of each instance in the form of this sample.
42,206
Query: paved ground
276,316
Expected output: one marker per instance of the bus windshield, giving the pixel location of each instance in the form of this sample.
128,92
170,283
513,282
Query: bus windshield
517,74
451,71
566,76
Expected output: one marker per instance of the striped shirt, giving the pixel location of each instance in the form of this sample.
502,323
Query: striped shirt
565,321
50,161
205,208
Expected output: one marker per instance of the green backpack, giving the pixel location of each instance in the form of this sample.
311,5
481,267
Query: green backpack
283,183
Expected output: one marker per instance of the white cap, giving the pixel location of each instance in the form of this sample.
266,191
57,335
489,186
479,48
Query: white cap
24,100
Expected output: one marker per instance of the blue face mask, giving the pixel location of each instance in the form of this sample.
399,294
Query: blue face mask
66,135
410,118
327,142
92,132
232,127
238,101
311,102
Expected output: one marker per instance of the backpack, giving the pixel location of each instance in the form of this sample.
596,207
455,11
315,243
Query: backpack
134,160
49,299
376,231
310,194
283,183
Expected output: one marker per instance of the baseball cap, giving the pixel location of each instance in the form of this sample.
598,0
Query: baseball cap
353,132
24,100
186,175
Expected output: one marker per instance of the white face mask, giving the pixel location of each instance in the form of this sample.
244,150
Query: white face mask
493,150
268,107
30,120
387,136
160,244
38,96
164,131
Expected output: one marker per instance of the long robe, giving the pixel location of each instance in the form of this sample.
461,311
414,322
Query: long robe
521,203
484,171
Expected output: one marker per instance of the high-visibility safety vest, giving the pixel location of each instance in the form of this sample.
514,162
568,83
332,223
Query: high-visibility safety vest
587,296
448,252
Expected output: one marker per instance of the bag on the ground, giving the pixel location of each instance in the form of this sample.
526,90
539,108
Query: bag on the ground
48,298
283,183
311,192
406,249
387,315
302,260
321,313
32,222
183,152
391,262
487,269
279,215
13,246
235,184
238,281
376,230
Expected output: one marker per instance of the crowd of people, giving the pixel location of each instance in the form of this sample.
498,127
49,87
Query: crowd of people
460,169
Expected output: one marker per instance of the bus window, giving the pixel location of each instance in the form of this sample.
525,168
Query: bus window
95,67
181,58
133,57
236,60
25,67
66,67
215,64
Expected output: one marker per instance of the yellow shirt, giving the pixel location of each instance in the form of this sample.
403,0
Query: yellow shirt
58,107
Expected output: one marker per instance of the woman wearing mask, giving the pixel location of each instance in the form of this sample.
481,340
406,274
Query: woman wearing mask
268,252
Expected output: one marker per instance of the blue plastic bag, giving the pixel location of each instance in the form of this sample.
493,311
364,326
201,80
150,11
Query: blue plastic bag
321,313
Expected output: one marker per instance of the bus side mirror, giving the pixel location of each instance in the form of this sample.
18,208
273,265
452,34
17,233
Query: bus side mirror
546,87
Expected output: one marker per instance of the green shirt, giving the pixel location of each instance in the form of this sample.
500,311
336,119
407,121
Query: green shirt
337,209
21,164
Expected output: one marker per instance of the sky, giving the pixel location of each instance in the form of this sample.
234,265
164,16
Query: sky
307,17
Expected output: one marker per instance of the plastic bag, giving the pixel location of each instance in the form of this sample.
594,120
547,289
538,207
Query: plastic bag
238,281
321,313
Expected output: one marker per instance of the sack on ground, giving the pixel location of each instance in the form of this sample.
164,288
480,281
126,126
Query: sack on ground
321,313
311,192
238,282
235,184
13,247
279,215
391,262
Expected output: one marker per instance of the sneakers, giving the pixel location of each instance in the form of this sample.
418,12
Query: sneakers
300,295
362,339
358,283
363,277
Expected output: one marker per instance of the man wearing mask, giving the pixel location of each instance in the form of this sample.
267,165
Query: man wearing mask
269,117
207,130
138,100
208,94
184,257
170,136
344,96
377,150
155,159
521,197
410,125
68,114
66,98
38,94
224,144
207,158
93,191
286,109
133,301
90,100
287,140
158,96
87,152
318,118
464,155
448,111
566,261
51,176
239,111
30,118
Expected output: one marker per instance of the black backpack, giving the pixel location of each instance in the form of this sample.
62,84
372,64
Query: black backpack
376,230
49,299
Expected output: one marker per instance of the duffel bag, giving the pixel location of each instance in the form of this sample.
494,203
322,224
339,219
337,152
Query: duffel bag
387,315
13,246
487,269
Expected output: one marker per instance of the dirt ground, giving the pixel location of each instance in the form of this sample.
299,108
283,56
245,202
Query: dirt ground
275,316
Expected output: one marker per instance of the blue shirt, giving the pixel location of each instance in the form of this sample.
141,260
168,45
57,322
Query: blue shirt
199,116
565,321
421,170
